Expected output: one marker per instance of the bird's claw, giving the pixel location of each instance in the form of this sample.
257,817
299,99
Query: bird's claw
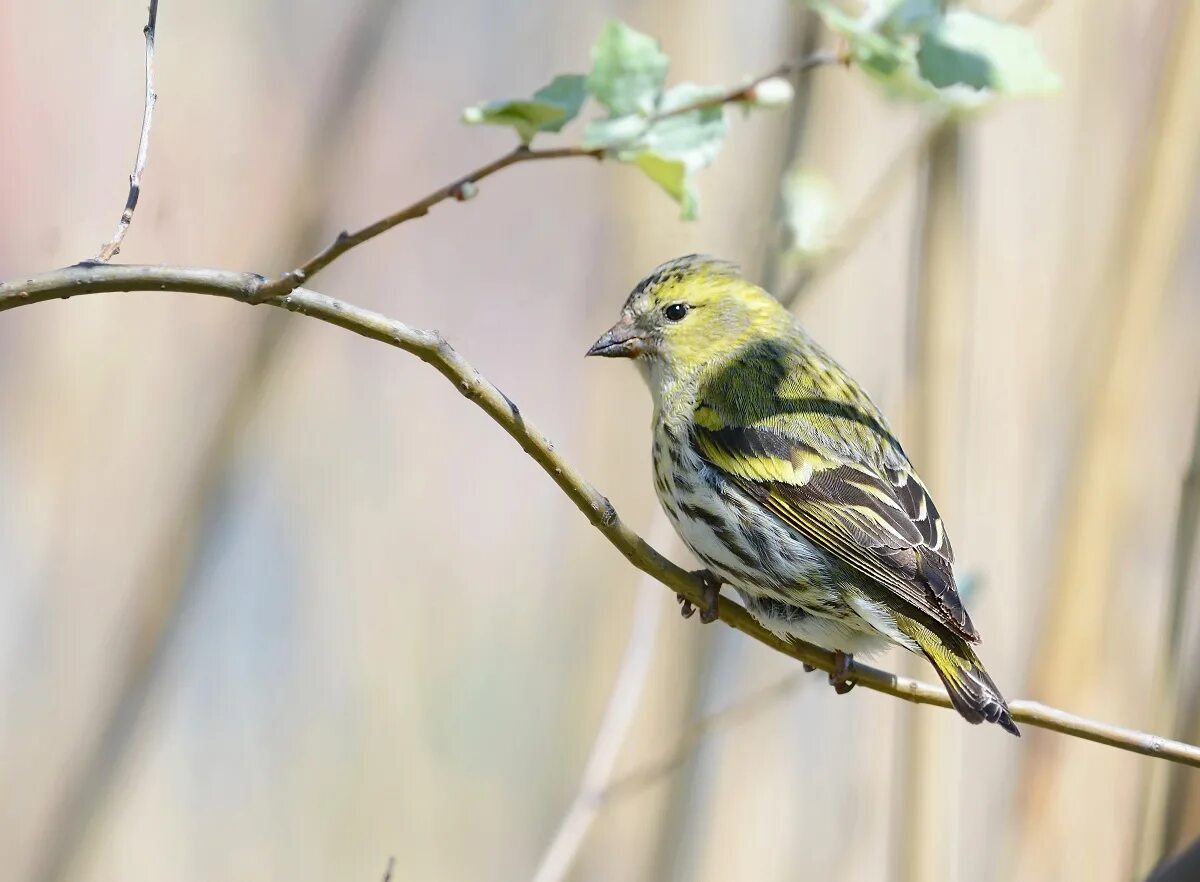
712,598
842,662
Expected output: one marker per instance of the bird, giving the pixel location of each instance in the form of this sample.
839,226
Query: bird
785,480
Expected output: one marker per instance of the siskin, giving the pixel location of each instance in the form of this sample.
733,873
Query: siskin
783,477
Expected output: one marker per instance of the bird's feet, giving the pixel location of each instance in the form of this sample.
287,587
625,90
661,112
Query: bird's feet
712,598
841,670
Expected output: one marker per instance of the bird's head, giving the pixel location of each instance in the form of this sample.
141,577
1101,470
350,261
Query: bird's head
691,314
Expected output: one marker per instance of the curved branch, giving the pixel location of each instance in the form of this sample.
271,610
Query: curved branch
432,348
113,247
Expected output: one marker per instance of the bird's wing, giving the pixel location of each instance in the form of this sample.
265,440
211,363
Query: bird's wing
878,521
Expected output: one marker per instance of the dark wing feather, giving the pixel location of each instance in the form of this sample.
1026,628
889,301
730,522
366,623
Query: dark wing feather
880,523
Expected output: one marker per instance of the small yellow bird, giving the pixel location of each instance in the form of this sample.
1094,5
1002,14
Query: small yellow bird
783,477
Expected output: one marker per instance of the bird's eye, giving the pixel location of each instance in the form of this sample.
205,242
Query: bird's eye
675,311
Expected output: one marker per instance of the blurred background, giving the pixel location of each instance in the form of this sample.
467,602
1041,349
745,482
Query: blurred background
276,603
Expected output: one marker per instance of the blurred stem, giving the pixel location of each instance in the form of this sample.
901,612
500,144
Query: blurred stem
683,808
929,792
164,592
747,707
808,37
1163,795
615,724
886,187
1143,255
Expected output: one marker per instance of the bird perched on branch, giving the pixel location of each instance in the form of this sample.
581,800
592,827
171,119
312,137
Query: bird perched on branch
783,477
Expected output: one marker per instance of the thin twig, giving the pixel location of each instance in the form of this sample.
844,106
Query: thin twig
870,208
166,586
387,873
614,727
750,706
431,347
461,189
113,247
464,187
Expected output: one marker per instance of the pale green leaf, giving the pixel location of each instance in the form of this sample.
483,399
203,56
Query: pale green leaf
878,54
628,70
900,17
616,131
694,136
959,60
673,175
669,149
973,50
567,91
551,108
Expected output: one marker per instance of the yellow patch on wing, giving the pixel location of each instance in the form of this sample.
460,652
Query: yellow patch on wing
863,519
796,471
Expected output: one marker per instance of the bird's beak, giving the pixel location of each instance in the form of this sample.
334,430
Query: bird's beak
622,340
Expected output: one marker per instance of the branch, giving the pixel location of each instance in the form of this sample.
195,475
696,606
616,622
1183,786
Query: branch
113,247
432,348
747,92
463,188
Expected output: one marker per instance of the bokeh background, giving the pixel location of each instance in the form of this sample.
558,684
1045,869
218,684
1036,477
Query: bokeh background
276,603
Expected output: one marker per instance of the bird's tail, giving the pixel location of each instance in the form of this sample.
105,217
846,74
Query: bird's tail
972,691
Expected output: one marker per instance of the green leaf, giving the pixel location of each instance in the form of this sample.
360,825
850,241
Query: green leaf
960,60
669,146
614,132
551,108
669,149
973,50
900,17
673,175
878,54
567,91
628,70
694,136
